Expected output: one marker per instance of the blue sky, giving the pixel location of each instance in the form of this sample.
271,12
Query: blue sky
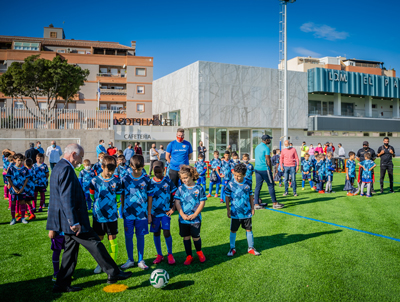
178,33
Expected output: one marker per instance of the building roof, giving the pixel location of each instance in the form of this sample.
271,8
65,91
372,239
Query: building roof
363,61
66,42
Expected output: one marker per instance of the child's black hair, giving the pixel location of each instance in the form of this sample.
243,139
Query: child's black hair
234,153
40,155
246,155
200,156
137,161
227,152
274,152
351,153
240,168
29,162
216,152
19,156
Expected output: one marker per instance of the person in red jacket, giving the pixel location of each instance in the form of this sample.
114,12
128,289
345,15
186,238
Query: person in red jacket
111,149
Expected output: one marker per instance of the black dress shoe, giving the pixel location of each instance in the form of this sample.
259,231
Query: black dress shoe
66,289
121,276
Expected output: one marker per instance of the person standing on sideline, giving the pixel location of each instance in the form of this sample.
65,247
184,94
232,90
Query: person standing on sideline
128,153
153,157
342,155
289,163
360,157
311,151
39,147
138,149
54,153
179,152
100,148
201,150
68,213
263,172
31,152
319,149
111,149
386,153
303,150
161,155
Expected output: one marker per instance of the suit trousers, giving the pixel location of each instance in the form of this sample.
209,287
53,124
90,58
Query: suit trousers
96,248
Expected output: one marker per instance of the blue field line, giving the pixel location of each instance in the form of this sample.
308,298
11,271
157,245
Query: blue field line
336,225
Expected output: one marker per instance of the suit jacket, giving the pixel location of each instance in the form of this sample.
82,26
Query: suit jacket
31,153
67,205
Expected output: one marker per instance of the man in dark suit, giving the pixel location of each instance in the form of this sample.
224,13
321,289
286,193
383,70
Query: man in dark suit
31,152
68,213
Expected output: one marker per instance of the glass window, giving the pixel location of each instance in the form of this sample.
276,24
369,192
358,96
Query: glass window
103,70
140,108
211,143
221,139
61,50
114,71
53,34
175,116
18,105
244,142
314,107
103,107
198,136
60,106
257,134
43,105
347,109
71,106
116,108
141,72
140,89
234,140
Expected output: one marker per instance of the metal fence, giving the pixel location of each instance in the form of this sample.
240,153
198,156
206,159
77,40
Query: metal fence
11,118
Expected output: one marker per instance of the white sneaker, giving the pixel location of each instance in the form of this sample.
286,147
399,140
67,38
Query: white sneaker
128,264
143,265
23,220
98,269
13,222
231,252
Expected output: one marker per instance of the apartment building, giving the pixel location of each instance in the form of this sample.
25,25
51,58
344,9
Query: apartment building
123,79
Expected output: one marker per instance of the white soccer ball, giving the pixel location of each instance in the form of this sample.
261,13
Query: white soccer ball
159,278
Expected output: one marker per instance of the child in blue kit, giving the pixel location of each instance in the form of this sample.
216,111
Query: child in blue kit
306,167
235,159
30,189
201,167
320,168
314,162
137,198
85,178
249,167
97,169
215,164
190,200
351,170
226,172
41,172
366,177
122,168
330,167
6,163
105,191
162,209
240,195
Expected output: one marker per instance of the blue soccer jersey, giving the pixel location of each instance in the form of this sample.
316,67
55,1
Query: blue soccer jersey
307,165
250,171
29,189
351,167
226,169
40,171
105,193
130,172
18,176
320,167
190,198
162,191
329,167
121,171
97,169
215,163
201,167
85,178
366,174
239,194
6,164
136,191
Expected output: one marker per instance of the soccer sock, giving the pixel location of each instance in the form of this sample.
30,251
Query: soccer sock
13,211
129,247
205,190
217,189
303,184
210,188
113,248
311,183
157,243
42,199
232,239
188,247
140,246
23,210
56,261
168,241
5,191
250,239
30,208
17,209
223,193
197,245
9,201
35,199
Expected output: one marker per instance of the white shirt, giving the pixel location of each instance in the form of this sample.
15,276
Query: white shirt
54,154
153,155
342,152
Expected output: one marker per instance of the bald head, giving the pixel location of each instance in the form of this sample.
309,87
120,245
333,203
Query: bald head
286,143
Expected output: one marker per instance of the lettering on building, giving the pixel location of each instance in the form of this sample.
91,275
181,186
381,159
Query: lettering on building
143,122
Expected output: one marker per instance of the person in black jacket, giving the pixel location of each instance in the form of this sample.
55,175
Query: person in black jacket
386,154
31,152
68,213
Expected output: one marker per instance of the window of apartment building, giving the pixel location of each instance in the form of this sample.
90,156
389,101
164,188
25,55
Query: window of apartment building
53,34
82,52
103,107
18,105
26,46
314,107
61,50
141,72
140,89
373,106
116,108
2,103
71,106
347,109
139,107
43,106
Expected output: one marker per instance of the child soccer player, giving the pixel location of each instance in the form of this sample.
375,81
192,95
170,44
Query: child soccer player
306,166
330,167
215,166
41,172
122,169
136,201
6,164
351,170
120,152
235,160
10,163
367,165
201,167
105,190
320,170
30,189
249,167
97,169
161,211
85,178
190,200
17,177
226,172
57,244
239,193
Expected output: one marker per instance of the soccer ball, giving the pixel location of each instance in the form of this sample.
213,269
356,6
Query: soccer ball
159,278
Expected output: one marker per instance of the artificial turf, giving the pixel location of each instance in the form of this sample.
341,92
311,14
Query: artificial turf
301,260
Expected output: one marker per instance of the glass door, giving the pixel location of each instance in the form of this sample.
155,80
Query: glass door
244,142
234,140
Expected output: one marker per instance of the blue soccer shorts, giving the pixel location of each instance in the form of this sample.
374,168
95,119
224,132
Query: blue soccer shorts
158,223
140,226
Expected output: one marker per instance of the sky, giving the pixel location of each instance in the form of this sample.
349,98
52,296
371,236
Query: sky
178,33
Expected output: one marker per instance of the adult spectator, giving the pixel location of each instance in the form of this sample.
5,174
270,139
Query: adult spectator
138,149
319,149
31,152
128,153
311,151
342,155
161,155
303,150
360,157
39,147
201,149
111,150
100,148
179,152
263,172
229,148
153,157
328,148
54,153
386,153
289,163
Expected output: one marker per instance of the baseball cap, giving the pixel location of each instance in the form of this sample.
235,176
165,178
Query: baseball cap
365,143
265,137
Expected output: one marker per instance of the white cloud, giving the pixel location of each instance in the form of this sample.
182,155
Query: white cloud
324,31
306,52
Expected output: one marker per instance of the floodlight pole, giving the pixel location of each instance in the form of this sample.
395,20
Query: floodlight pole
285,84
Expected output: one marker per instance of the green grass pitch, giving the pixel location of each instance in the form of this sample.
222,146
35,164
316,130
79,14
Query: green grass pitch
301,260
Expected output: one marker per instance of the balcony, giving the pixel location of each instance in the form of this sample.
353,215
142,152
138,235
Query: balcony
111,78
113,91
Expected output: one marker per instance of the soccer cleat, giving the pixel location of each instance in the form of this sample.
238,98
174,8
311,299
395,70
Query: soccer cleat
222,201
13,222
188,260
18,219
202,258
54,279
98,269
158,259
350,194
252,250
24,221
143,265
391,191
128,264
285,194
302,189
33,216
17,215
6,197
327,192
40,209
216,196
26,215
171,259
314,188
362,194
368,195
231,252
321,192
209,195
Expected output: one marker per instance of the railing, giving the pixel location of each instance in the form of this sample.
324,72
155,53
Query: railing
113,91
3,70
11,118
117,75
